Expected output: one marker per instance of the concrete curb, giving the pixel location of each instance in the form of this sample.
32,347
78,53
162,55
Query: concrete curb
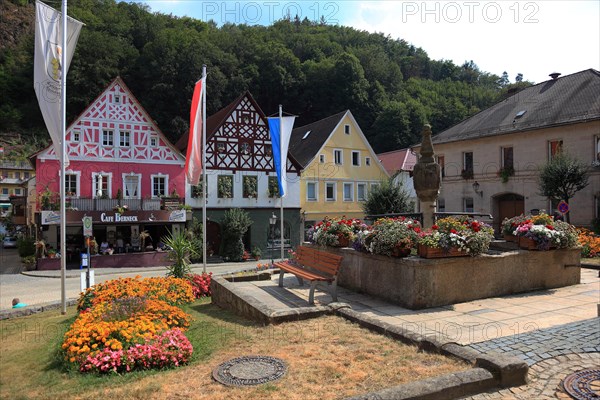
491,370
34,309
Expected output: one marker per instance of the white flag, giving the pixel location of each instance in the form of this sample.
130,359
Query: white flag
47,73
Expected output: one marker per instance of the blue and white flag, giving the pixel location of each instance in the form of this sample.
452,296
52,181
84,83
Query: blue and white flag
280,140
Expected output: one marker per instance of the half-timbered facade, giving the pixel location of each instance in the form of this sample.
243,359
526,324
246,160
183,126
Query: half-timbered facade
123,172
241,174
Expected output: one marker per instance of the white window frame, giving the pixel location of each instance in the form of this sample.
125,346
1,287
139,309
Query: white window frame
344,186
166,178
75,136
117,98
105,176
139,186
465,208
357,158
122,135
5,191
364,186
347,129
562,143
368,161
503,158
315,185
334,191
442,164
375,184
77,181
341,153
155,140
322,158
108,137
17,191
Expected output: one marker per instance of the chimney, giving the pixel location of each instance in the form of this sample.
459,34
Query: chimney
554,75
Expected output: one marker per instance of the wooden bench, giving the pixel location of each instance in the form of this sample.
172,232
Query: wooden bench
315,266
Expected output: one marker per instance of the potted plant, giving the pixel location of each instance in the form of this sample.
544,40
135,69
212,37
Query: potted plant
542,232
454,237
225,187
505,173
508,227
392,236
334,232
256,253
121,208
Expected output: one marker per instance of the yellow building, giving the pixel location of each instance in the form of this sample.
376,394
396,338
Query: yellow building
339,167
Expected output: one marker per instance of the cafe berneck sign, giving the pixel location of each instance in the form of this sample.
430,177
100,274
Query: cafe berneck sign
107,217
118,217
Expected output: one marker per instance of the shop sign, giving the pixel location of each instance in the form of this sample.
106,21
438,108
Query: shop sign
118,217
50,218
87,226
177,216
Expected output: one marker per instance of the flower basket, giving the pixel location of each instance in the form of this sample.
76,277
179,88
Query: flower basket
343,241
437,252
529,244
511,238
401,252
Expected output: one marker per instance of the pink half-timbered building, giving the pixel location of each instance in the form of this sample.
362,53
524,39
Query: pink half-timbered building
123,172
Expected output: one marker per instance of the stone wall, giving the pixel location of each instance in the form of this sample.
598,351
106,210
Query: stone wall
417,283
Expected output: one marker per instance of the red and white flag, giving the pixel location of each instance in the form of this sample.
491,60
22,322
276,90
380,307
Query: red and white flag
193,159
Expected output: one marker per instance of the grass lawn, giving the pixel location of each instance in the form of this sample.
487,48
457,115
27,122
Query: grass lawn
327,358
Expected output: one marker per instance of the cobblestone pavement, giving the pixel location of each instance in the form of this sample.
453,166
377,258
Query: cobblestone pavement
545,378
535,346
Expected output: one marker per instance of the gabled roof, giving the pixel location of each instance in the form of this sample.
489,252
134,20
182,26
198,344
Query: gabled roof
306,149
567,100
117,81
216,120
398,160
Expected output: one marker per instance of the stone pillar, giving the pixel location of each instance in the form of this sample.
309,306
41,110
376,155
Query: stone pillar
427,178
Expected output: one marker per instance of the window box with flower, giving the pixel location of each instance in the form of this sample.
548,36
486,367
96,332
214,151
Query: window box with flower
455,236
334,232
542,232
394,237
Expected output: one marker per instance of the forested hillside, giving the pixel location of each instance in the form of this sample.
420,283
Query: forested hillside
314,70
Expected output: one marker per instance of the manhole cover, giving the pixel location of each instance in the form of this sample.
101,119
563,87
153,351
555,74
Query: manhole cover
584,385
250,370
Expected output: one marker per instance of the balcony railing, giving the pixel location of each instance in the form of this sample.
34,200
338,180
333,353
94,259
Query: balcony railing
91,204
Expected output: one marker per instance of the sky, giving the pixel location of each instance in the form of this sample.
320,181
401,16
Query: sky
534,38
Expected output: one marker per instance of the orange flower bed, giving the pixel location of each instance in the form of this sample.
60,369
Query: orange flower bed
118,314
590,243
173,291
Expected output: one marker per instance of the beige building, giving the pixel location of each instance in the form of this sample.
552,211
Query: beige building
490,162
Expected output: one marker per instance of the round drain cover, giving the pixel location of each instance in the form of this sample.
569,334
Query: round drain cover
584,385
250,370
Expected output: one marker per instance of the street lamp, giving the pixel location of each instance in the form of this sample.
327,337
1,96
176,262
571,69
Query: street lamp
272,222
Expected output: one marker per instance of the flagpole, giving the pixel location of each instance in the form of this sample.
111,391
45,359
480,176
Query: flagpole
283,167
63,216
204,241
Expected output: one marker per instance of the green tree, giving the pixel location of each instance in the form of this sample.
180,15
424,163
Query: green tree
562,177
235,223
387,198
181,249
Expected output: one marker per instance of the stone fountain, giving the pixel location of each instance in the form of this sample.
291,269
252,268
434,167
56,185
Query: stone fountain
427,178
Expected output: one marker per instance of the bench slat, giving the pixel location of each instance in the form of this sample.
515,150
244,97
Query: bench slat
302,272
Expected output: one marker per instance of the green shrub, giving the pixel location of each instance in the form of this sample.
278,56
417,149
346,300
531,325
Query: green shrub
26,246
235,223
